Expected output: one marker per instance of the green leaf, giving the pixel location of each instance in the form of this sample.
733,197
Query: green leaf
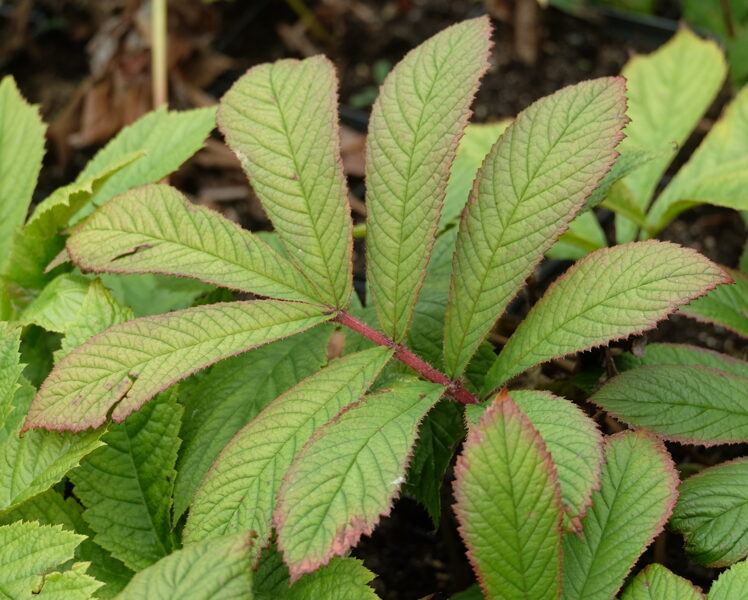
610,294
239,491
126,485
21,152
50,508
474,145
630,159
168,138
706,406
683,354
472,593
532,183
668,92
727,305
27,552
508,504
415,126
58,304
74,584
584,235
717,171
219,404
215,569
348,474
281,121
655,582
636,496
119,370
10,368
731,584
155,229
712,514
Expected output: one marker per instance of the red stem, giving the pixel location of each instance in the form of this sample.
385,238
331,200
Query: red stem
454,388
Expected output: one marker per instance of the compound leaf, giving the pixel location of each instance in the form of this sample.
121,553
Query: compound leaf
531,185
655,582
348,474
281,121
706,406
126,485
215,569
415,126
21,152
637,492
731,584
668,92
712,514
167,138
717,171
239,491
610,294
121,368
155,229
727,305
223,401
508,504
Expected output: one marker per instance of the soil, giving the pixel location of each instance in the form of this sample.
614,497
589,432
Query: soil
412,560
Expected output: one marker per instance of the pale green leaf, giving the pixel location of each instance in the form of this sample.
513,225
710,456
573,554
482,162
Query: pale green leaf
40,241
152,294
727,305
155,229
10,368
610,294
474,145
215,569
348,474
731,584
717,171
668,92
74,584
508,504
655,582
712,514
531,185
637,491
281,121
127,484
622,202
239,491
585,235
27,552
415,126
168,138
683,354
58,304
120,369
231,394
50,508
21,152
690,404
630,159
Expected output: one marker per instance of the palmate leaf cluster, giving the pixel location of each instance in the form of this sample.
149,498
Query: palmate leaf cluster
216,449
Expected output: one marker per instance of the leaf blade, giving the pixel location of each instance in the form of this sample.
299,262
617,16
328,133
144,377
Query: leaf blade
655,582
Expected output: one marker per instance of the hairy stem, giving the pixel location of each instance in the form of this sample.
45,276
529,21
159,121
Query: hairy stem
455,389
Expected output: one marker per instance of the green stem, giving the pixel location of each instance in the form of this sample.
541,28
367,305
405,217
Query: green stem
158,52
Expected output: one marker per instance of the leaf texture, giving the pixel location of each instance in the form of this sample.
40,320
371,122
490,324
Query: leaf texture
219,404
684,354
668,92
731,584
712,514
348,474
706,406
239,492
531,185
127,484
610,294
727,305
636,496
216,569
415,126
155,229
508,504
21,152
118,370
655,582
73,584
281,121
